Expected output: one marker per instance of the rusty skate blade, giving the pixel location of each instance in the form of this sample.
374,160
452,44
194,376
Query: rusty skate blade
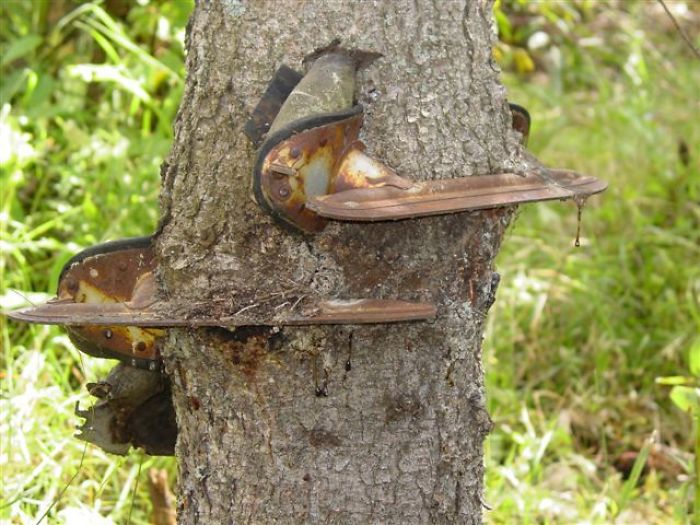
155,315
454,195
107,301
110,273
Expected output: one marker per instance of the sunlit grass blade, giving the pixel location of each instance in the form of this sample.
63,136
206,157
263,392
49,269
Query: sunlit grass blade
631,483
70,481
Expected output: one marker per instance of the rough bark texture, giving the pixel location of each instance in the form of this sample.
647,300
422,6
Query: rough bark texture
398,437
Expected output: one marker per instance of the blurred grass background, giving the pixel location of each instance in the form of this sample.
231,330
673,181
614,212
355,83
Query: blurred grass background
592,354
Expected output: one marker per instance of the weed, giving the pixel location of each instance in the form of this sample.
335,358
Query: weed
578,336
87,101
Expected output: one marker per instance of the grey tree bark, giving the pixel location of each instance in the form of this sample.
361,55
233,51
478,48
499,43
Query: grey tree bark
398,437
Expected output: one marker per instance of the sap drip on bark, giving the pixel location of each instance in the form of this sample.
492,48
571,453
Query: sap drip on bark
348,362
580,203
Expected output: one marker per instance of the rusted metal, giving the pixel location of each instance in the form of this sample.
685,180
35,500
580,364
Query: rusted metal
107,301
106,276
329,176
315,158
362,311
453,195
161,314
312,166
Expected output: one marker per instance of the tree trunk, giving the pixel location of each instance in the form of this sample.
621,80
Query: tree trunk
334,424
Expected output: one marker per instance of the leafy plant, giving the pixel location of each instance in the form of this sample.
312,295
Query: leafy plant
88,93
579,336
685,394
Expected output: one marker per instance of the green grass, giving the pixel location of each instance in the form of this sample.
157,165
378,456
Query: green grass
87,102
575,341
578,336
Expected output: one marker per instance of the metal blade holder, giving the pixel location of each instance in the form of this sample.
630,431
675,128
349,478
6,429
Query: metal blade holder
312,166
